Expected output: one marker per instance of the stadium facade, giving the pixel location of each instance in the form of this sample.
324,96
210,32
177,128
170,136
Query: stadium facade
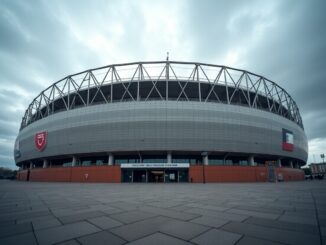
163,121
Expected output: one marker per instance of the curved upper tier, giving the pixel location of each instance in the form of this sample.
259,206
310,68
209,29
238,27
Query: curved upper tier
162,80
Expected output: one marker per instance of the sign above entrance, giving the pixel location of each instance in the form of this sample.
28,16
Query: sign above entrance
154,165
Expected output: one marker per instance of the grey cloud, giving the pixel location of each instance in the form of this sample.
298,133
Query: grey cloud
291,52
38,46
315,122
7,129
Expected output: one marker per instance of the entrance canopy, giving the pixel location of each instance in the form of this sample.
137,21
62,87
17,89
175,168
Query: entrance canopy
155,165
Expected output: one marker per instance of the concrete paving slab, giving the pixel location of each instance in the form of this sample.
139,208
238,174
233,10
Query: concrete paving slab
101,238
302,214
44,224
218,214
65,232
8,222
253,213
23,215
132,216
10,230
170,213
80,217
167,204
20,239
125,206
245,240
105,208
299,219
322,222
272,234
66,211
105,222
112,211
283,225
209,221
34,218
158,239
323,231
214,207
217,237
181,208
140,229
171,210
70,242
182,230
258,208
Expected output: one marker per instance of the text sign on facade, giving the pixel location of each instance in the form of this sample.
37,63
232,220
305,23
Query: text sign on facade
154,165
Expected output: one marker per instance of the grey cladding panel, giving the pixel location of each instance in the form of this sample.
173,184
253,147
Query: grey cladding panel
163,125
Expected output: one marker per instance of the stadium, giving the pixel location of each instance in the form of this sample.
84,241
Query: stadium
162,121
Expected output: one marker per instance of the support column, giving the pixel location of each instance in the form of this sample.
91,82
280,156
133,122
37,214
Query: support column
205,159
74,161
251,160
279,163
45,163
30,165
140,158
169,157
205,163
291,164
111,159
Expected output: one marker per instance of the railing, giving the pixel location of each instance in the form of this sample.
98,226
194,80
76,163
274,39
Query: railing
87,88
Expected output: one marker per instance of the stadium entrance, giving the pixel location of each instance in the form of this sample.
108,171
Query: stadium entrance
155,173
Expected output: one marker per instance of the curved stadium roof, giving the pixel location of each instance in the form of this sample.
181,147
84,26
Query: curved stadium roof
162,80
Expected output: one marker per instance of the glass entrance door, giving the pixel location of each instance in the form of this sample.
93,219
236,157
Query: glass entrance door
171,175
155,176
183,175
139,176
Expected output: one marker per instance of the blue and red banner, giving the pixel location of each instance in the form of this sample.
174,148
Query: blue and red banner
288,140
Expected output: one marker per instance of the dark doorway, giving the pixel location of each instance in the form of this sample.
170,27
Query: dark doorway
171,176
139,176
28,174
183,175
156,176
127,176
271,173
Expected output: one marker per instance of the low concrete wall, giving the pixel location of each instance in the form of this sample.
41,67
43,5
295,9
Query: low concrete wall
289,174
110,174
213,174
22,175
96,174
50,174
197,174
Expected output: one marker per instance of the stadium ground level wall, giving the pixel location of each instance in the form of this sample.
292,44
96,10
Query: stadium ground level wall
195,174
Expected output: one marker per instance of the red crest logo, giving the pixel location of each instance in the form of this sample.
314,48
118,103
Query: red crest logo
40,140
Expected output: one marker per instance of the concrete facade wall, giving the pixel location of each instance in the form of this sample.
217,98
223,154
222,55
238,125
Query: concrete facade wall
213,174
162,126
22,175
108,174
197,174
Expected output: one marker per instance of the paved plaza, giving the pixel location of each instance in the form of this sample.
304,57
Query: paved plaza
253,213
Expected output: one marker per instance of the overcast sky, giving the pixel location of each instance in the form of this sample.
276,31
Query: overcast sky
43,41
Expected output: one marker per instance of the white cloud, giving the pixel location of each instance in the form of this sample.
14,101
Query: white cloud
317,147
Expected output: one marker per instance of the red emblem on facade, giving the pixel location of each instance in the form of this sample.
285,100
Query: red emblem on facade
40,140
